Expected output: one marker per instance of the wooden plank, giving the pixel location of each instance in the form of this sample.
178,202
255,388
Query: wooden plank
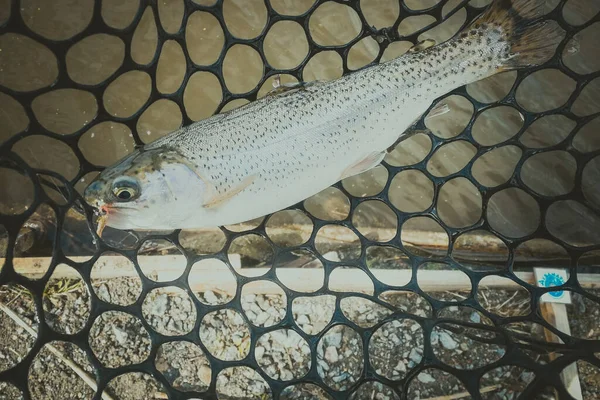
211,275
556,315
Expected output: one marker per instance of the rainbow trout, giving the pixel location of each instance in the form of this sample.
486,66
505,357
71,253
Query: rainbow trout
286,147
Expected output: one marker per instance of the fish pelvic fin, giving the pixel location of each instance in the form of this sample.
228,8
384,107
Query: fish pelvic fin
219,198
531,40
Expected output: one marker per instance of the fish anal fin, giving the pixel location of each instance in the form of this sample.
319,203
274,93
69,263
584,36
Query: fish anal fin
218,199
370,161
439,109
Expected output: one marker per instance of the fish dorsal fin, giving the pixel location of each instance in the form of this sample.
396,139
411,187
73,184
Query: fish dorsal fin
280,88
423,45
370,161
216,199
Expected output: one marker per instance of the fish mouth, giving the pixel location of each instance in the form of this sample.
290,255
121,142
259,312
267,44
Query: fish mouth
102,212
109,215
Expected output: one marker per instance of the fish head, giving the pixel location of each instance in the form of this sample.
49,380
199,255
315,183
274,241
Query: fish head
149,189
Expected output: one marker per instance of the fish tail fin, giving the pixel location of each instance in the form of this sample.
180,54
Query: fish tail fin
530,40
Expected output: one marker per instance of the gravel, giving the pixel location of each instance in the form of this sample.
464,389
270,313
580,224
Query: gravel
169,311
185,366
395,348
119,339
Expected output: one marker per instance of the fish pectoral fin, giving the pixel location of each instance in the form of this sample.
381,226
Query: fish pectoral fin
370,161
219,198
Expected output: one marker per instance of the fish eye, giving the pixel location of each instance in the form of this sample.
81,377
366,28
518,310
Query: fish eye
125,190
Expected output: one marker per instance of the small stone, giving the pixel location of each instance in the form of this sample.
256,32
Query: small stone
527,377
261,318
103,293
255,308
237,319
323,365
120,335
210,297
341,377
394,338
259,352
447,341
251,316
415,356
475,317
236,339
272,371
302,320
159,305
333,339
401,367
331,354
424,377
286,375
204,373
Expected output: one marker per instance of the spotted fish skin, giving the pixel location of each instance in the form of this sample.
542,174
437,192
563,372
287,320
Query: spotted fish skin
279,150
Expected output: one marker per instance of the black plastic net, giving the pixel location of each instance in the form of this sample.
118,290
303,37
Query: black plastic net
413,280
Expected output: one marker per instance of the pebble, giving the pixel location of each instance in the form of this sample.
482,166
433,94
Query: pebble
475,317
237,319
527,376
262,303
103,293
394,338
401,367
210,297
323,365
331,354
159,305
447,341
120,335
237,339
255,308
424,377
302,320
415,356
259,352
204,373
286,375
333,339
341,377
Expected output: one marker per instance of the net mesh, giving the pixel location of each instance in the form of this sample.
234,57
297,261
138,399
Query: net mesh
412,280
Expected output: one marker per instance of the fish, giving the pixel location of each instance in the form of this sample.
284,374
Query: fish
277,151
